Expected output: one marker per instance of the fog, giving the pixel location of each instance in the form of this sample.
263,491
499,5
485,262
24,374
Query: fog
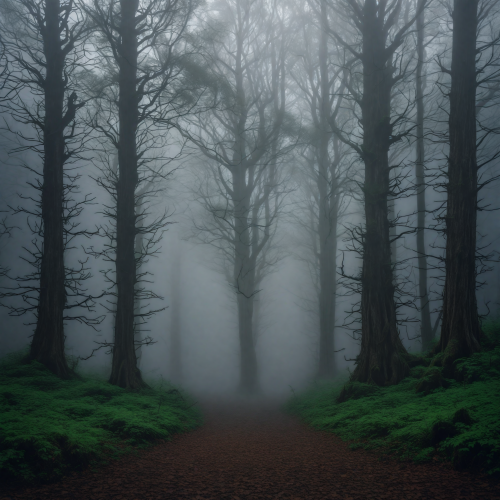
286,343
192,268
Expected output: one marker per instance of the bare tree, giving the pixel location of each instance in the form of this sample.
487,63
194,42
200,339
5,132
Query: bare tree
242,140
44,42
425,316
136,101
319,81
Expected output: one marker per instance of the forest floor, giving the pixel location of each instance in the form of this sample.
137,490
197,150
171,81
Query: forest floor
250,449
433,415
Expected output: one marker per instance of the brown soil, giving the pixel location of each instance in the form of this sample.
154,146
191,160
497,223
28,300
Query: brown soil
250,450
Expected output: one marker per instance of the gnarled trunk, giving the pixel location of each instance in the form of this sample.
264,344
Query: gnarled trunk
460,331
381,359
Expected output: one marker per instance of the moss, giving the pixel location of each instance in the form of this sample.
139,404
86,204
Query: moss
437,360
462,416
416,360
480,366
356,390
431,380
455,419
418,371
49,427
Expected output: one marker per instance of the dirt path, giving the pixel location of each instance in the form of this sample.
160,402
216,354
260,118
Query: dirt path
253,451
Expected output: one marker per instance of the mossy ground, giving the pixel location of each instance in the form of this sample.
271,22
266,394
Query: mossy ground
49,427
424,417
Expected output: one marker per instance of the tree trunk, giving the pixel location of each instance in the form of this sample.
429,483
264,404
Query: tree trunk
425,316
327,226
47,345
175,323
460,331
124,370
248,367
381,359
327,297
244,279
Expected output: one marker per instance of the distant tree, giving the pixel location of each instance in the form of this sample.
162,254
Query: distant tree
140,47
44,42
325,181
175,315
242,140
420,82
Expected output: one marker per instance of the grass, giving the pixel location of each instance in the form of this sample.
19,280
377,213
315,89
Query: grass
50,427
455,419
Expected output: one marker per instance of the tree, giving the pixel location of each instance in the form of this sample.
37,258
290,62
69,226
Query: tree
175,318
5,228
460,330
136,102
242,140
325,182
44,43
382,359
425,316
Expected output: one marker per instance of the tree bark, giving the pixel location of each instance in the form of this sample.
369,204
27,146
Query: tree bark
425,316
124,370
381,359
460,331
47,345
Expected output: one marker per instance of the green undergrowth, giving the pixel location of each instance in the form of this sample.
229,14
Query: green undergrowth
425,417
50,427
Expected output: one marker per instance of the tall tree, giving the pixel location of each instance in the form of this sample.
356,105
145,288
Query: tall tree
460,330
425,316
43,39
319,83
141,39
382,359
242,143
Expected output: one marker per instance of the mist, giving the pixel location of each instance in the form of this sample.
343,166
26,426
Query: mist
226,225
190,148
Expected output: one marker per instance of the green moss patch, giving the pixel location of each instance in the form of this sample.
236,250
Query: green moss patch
49,427
423,417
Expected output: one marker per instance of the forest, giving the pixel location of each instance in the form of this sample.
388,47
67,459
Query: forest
245,240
